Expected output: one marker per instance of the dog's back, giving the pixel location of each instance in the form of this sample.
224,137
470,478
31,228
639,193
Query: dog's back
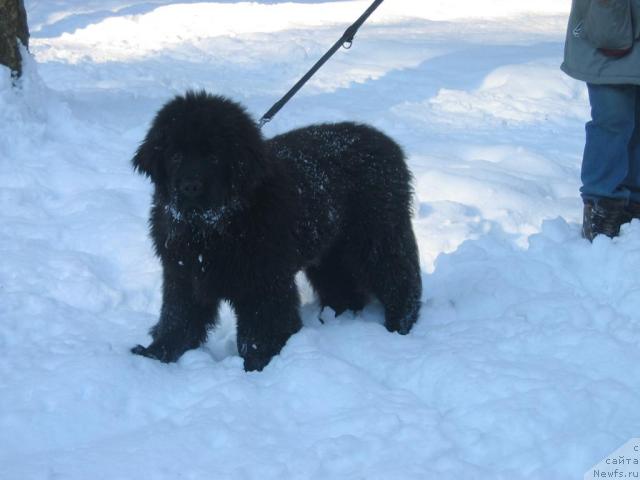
351,172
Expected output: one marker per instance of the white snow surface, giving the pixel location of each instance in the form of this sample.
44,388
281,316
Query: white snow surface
525,360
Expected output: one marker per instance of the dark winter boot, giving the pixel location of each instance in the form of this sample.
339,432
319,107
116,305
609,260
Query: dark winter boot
603,217
633,210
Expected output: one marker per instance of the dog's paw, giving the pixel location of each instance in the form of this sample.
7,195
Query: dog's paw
155,351
139,350
255,357
255,363
402,327
144,352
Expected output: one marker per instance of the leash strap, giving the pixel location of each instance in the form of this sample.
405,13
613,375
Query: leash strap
345,41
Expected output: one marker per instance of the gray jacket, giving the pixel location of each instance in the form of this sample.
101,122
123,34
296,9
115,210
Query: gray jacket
603,24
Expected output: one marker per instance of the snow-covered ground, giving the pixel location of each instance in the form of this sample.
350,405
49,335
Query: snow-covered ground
525,360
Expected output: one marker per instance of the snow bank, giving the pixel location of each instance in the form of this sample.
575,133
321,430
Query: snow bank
514,95
128,37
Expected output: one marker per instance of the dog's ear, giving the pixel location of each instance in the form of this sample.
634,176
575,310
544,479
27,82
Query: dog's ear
147,160
252,165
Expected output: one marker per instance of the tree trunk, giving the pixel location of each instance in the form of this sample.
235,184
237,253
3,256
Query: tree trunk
13,27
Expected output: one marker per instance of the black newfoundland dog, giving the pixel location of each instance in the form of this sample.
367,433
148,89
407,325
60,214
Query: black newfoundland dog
235,216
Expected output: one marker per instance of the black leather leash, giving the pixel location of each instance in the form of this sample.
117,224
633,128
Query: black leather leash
345,41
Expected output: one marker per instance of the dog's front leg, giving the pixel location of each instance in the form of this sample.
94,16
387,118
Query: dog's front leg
265,323
183,320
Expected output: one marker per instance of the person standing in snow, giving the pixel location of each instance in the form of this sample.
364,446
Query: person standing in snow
601,49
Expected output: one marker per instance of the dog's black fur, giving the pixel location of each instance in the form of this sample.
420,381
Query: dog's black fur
235,216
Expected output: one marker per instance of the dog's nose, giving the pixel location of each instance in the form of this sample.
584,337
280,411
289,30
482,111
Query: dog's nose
191,187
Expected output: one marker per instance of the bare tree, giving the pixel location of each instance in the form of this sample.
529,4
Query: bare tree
13,28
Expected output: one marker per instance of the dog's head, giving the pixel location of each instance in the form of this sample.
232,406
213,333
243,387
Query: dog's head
202,152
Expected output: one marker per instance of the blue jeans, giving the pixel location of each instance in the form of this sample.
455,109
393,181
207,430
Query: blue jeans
611,161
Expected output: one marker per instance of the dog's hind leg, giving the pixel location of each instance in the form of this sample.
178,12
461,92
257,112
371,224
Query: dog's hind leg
335,284
395,279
